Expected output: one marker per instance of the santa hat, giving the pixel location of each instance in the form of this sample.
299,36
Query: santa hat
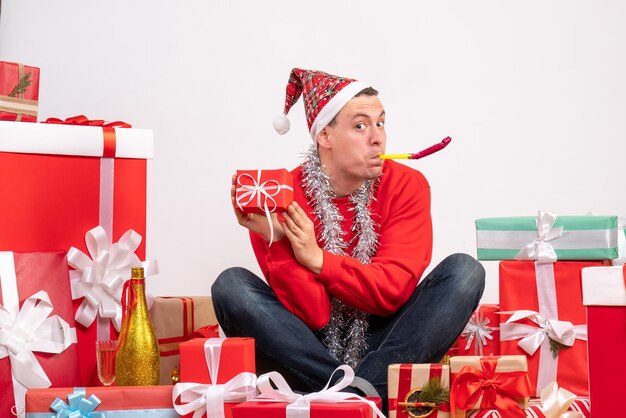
324,95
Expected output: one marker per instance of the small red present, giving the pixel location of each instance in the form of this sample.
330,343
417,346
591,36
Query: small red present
489,383
64,180
277,400
604,294
208,360
481,336
176,320
145,401
263,191
19,92
37,335
405,379
548,323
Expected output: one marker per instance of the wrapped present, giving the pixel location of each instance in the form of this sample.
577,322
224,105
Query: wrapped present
175,320
217,360
548,325
481,335
407,382
277,400
101,402
19,92
547,238
264,192
225,381
37,333
64,180
555,402
489,383
604,294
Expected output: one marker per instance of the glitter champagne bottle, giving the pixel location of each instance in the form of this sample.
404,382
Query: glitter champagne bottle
137,359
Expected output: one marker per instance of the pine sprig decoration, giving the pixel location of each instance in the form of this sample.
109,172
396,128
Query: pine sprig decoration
434,392
22,85
556,347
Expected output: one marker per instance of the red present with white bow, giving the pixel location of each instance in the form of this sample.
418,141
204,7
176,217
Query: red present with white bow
278,400
546,321
37,333
481,335
19,92
405,379
64,180
604,294
211,385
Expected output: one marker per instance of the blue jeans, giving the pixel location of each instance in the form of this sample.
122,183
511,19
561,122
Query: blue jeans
421,332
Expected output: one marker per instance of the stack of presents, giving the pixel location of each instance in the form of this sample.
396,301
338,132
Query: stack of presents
73,222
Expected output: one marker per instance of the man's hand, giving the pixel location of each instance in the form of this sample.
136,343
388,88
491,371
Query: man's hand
300,232
255,222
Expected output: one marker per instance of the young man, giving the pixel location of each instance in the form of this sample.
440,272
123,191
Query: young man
344,267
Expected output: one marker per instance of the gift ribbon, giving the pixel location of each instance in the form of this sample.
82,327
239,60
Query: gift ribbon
497,390
532,337
77,406
210,398
26,330
99,277
556,401
405,384
299,406
621,242
540,249
478,330
263,192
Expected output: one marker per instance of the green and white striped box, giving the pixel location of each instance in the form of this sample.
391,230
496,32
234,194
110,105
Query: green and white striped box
582,238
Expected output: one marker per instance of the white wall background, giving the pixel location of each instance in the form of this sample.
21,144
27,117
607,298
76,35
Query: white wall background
532,92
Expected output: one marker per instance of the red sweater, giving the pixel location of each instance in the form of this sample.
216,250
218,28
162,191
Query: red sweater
401,211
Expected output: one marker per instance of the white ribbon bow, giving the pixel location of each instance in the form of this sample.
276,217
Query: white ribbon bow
555,401
531,337
300,405
478,329
29,329
540,249
100,278
246,193
210,398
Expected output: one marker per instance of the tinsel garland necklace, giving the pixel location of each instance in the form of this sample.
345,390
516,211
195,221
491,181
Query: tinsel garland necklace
345,333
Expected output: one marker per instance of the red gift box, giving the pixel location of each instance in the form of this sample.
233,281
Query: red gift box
236,356
604,293
264,191
19,92
405,378
254,409
481,336
547,299
59,188
148,401
37,283
176,320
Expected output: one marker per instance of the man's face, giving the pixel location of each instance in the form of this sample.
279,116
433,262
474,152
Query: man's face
356,139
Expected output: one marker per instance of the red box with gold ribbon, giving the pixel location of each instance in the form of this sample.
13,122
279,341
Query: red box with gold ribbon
546,321
112,401
19,92
227,358
58,181
37,329
178,319
263,191
489,383
405,383
481,336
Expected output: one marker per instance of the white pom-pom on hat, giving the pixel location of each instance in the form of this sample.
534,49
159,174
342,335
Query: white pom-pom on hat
281,124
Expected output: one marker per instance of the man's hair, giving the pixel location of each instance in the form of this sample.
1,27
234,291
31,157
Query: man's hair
368,91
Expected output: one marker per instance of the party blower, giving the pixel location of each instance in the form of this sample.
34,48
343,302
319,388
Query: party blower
423,153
